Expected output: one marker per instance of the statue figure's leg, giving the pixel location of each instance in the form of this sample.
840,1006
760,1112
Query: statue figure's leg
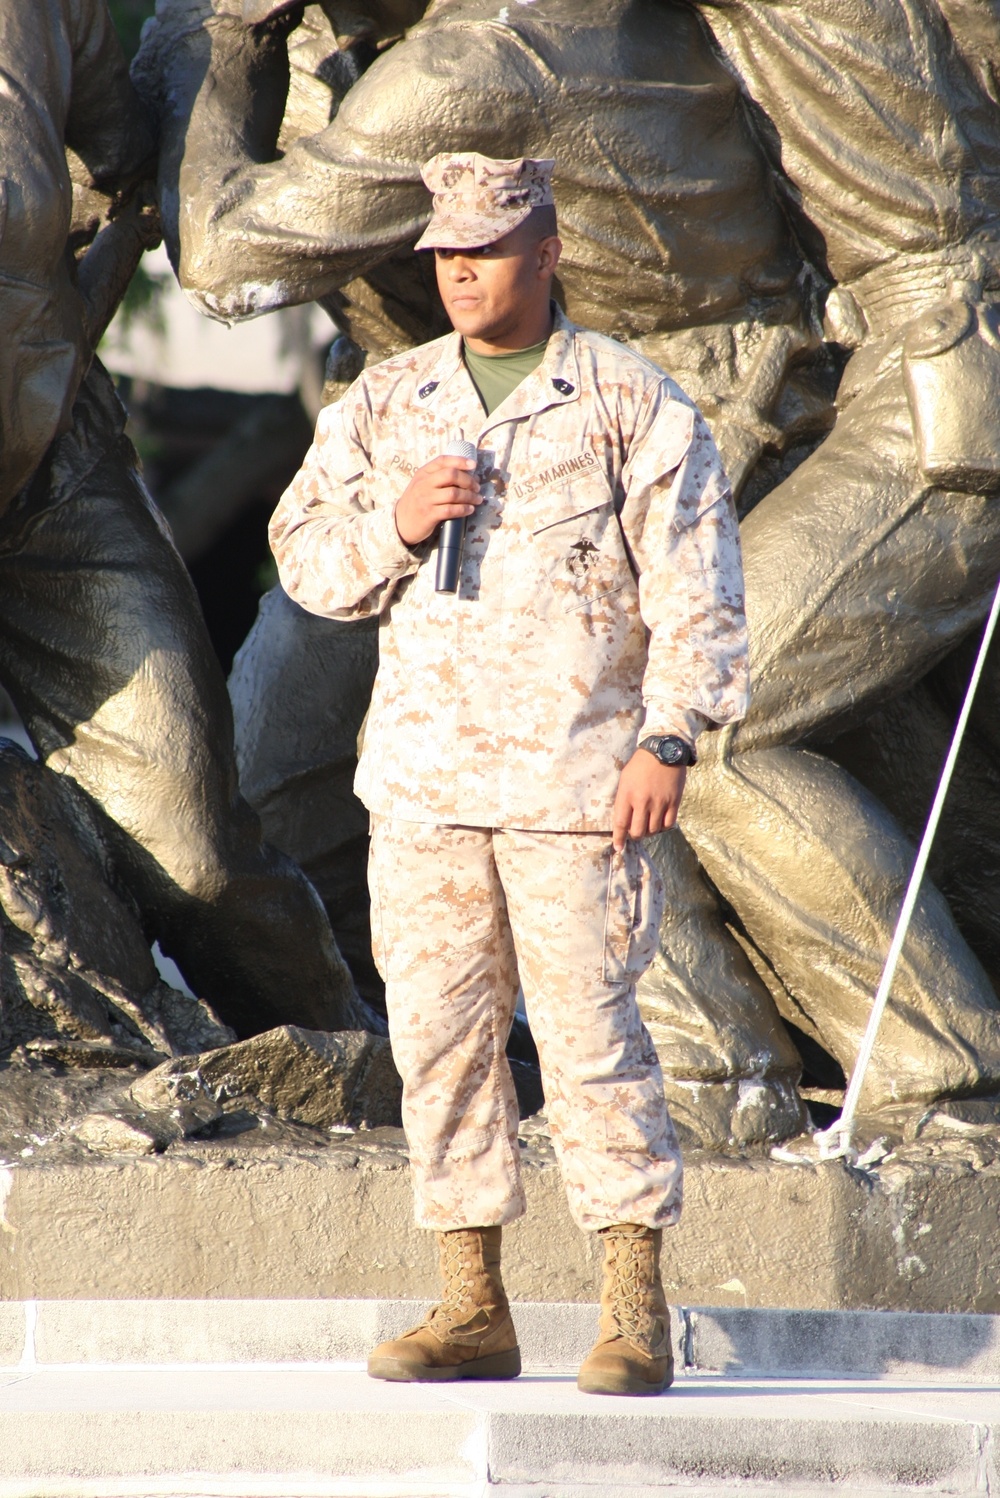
729,1067
898,754
860,577
104,652
300,688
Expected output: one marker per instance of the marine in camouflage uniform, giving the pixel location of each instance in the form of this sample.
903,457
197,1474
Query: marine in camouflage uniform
517,705
600,596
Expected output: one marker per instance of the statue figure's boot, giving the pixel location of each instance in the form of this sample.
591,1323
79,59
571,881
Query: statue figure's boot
470,1334
632,1354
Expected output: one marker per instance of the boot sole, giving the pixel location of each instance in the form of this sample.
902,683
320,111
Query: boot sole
499,1365
626,1384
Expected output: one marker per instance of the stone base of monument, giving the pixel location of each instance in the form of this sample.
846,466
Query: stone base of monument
236,1399
279,1212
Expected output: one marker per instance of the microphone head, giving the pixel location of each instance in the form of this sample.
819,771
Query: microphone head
458,448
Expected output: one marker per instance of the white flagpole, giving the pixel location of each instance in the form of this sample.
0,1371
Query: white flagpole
836,1140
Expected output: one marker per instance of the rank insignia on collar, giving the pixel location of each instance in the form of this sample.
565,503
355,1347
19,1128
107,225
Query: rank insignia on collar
428,389
564,387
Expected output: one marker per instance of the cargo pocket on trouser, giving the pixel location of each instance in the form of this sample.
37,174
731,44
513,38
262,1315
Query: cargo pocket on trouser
636,900
375,893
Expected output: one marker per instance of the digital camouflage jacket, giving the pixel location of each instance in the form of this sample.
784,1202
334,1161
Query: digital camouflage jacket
601,590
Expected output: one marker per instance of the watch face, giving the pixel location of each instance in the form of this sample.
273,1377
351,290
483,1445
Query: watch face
671,752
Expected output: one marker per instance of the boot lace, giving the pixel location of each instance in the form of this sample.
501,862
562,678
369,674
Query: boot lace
630,1269
457,1303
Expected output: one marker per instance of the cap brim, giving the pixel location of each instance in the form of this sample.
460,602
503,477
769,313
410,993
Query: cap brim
456,231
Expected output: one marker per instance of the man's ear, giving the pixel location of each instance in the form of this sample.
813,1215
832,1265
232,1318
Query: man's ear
548,254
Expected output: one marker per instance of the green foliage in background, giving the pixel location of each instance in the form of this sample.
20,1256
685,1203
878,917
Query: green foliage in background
128,17
142,300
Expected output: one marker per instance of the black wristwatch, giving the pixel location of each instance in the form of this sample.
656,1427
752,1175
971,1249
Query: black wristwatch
670,750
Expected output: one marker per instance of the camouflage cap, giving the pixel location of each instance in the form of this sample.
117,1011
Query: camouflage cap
478,200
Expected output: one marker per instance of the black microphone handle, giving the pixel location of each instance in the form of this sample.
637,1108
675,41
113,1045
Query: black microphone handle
451,539
451,533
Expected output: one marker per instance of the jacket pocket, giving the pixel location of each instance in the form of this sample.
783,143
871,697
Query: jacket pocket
578,544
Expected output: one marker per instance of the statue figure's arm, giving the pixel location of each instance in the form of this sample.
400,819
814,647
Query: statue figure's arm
108,130
975,25
255,233
248,232
108,265
111,156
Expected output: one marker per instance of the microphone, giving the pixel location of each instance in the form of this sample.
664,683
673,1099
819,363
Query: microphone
451,533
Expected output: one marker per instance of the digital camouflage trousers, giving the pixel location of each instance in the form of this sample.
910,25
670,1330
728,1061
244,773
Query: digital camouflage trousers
459,916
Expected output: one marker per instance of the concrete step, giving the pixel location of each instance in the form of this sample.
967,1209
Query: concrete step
256,1399
927,1348
334,1433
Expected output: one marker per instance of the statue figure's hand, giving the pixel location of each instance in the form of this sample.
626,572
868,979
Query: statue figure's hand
286,12
177,41
108,265
141,215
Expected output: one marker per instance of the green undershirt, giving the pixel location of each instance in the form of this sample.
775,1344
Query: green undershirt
496,375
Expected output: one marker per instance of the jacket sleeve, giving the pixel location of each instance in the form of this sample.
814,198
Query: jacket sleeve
334,534
680,523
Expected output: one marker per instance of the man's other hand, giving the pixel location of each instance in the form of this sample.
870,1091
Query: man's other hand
443,489
648,799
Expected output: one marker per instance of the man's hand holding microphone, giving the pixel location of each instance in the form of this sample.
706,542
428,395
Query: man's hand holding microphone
444,489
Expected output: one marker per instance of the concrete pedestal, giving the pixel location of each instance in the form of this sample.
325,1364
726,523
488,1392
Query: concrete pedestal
919,1232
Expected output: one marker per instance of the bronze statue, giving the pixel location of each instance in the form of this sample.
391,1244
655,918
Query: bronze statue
102,644
862,572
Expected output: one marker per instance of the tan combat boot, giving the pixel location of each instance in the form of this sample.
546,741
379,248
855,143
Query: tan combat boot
470,1334
632,1355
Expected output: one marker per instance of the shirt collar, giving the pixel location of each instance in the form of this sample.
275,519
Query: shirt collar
556,381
